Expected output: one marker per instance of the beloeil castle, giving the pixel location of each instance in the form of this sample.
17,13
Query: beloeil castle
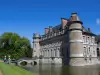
68,43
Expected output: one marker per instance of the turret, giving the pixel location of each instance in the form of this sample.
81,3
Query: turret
75,41
36,45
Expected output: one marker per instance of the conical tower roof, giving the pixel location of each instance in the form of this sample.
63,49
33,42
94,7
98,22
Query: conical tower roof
36,35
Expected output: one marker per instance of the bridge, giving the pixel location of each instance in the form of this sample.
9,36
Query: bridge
27,61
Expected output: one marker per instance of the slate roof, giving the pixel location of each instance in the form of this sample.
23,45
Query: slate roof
56,28
98,38
59,27
74,17
84,29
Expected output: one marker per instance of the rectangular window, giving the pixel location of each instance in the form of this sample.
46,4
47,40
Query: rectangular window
58,52
92,40
84,50
48,53
51,52
43,53
84,39
88,40
55,52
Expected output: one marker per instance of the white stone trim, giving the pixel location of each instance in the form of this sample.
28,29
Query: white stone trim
76,31
76,41
76,55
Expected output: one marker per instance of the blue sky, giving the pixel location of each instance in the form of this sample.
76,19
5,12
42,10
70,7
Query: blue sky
26,17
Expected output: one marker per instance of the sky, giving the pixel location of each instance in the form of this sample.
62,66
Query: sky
26,17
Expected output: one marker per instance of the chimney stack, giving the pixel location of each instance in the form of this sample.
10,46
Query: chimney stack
63,22
46,30
50,29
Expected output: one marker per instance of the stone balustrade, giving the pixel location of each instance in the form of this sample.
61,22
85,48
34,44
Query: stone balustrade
51,35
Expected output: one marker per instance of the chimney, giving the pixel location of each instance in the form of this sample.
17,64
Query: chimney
50,29
46,30
63,22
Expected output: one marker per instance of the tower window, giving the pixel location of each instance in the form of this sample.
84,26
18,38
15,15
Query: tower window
85,53
88,40
34,45
98,54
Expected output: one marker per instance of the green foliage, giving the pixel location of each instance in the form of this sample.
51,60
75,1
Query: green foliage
14,45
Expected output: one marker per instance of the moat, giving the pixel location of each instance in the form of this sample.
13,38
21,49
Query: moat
65,70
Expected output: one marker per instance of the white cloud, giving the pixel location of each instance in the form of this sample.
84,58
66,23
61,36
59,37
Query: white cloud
98,21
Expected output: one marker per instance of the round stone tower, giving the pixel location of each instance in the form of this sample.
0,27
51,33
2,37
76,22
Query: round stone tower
36,46
76,41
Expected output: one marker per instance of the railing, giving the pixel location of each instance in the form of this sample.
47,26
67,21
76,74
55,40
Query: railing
50,35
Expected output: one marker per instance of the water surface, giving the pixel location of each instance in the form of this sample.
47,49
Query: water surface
64,70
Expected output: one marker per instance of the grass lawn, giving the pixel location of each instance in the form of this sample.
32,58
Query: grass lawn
8,69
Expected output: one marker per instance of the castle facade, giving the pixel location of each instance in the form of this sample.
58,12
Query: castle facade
68,43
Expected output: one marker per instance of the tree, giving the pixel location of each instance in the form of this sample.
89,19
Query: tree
14,45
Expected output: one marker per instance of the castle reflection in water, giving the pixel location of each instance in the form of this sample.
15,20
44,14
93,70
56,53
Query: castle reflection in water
64,70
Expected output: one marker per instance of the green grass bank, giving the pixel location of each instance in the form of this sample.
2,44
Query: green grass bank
8,69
